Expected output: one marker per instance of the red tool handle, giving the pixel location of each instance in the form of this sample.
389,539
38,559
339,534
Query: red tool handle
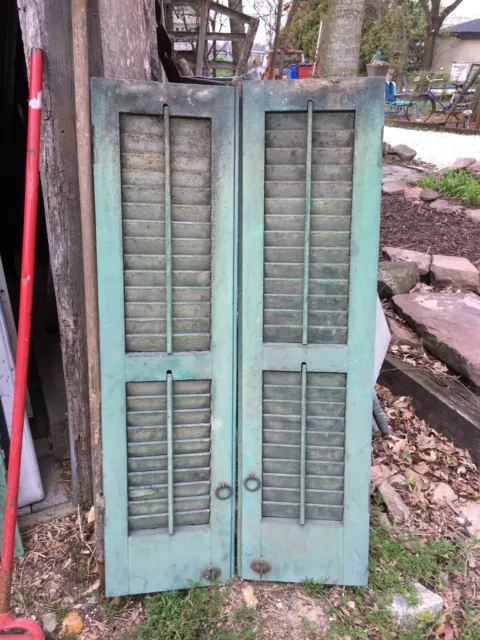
24,325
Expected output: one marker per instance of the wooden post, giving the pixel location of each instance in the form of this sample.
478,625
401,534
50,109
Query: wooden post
120,46
87,216
202,31
47,25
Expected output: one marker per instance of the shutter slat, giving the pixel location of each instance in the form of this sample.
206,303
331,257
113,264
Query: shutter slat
180,476
160,491
140,523
158,433
312,512
292,481
287,190
327,206
324,121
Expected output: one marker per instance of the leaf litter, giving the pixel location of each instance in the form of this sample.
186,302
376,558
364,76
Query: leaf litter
435,480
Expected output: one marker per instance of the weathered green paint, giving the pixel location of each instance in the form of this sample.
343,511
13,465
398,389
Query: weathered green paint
132,238
332,545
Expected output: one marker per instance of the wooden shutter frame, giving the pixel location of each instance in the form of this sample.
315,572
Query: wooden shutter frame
129,558
340,561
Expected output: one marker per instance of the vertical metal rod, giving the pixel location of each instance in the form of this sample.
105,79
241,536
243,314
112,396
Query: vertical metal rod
308,201
303,444
168,228
24,332
170,450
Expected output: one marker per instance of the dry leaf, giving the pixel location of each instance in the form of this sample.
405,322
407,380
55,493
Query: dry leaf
249,597
91,516
71,625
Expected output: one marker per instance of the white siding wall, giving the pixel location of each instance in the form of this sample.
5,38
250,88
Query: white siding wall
450,50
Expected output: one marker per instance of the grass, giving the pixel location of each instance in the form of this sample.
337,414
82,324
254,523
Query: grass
397,560
455,183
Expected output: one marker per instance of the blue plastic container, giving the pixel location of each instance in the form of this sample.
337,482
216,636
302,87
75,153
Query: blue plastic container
292,71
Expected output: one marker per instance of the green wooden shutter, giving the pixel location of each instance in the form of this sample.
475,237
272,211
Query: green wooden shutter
164,189
311,172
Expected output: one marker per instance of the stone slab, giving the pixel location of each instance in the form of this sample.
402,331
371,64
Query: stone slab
444,206
429,603
405,152
393,188
474,215
412,194
396,277
449,324
451,271
398,172
402,336
463,163
429,195
422,260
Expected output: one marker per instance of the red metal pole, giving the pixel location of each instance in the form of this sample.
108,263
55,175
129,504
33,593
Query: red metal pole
7,621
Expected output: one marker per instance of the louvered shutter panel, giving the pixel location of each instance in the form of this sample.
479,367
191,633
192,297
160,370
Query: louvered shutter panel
310,220
164,188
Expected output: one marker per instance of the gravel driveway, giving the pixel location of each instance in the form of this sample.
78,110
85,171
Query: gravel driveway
440,149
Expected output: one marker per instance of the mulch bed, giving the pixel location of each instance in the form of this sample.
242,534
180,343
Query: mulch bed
412,225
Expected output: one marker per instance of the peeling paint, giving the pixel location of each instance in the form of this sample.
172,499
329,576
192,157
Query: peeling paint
36,103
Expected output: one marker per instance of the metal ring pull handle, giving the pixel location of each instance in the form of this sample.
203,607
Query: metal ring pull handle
222,487
249,480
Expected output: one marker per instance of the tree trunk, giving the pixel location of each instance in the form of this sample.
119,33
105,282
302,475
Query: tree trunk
434,24
340,44
294,6
236,26
276,39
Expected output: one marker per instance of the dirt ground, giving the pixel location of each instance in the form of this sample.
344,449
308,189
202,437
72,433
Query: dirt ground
57,574
412,225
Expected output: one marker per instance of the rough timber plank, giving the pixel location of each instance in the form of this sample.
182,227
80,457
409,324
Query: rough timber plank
444,402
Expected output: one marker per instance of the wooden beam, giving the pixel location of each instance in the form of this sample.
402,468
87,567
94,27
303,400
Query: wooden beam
187,36
242,65
230,13
41,23
202,30
222,65
445,403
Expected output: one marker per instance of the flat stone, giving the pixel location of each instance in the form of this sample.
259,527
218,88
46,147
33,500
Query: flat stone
474,215
443,206
395,505
408,615
49,622
393,187
422,260
449,324
442,492
405,152
402,336
392,172
429,195
463,163
475,169
450,271
419,481
471,512
396,277
412,194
